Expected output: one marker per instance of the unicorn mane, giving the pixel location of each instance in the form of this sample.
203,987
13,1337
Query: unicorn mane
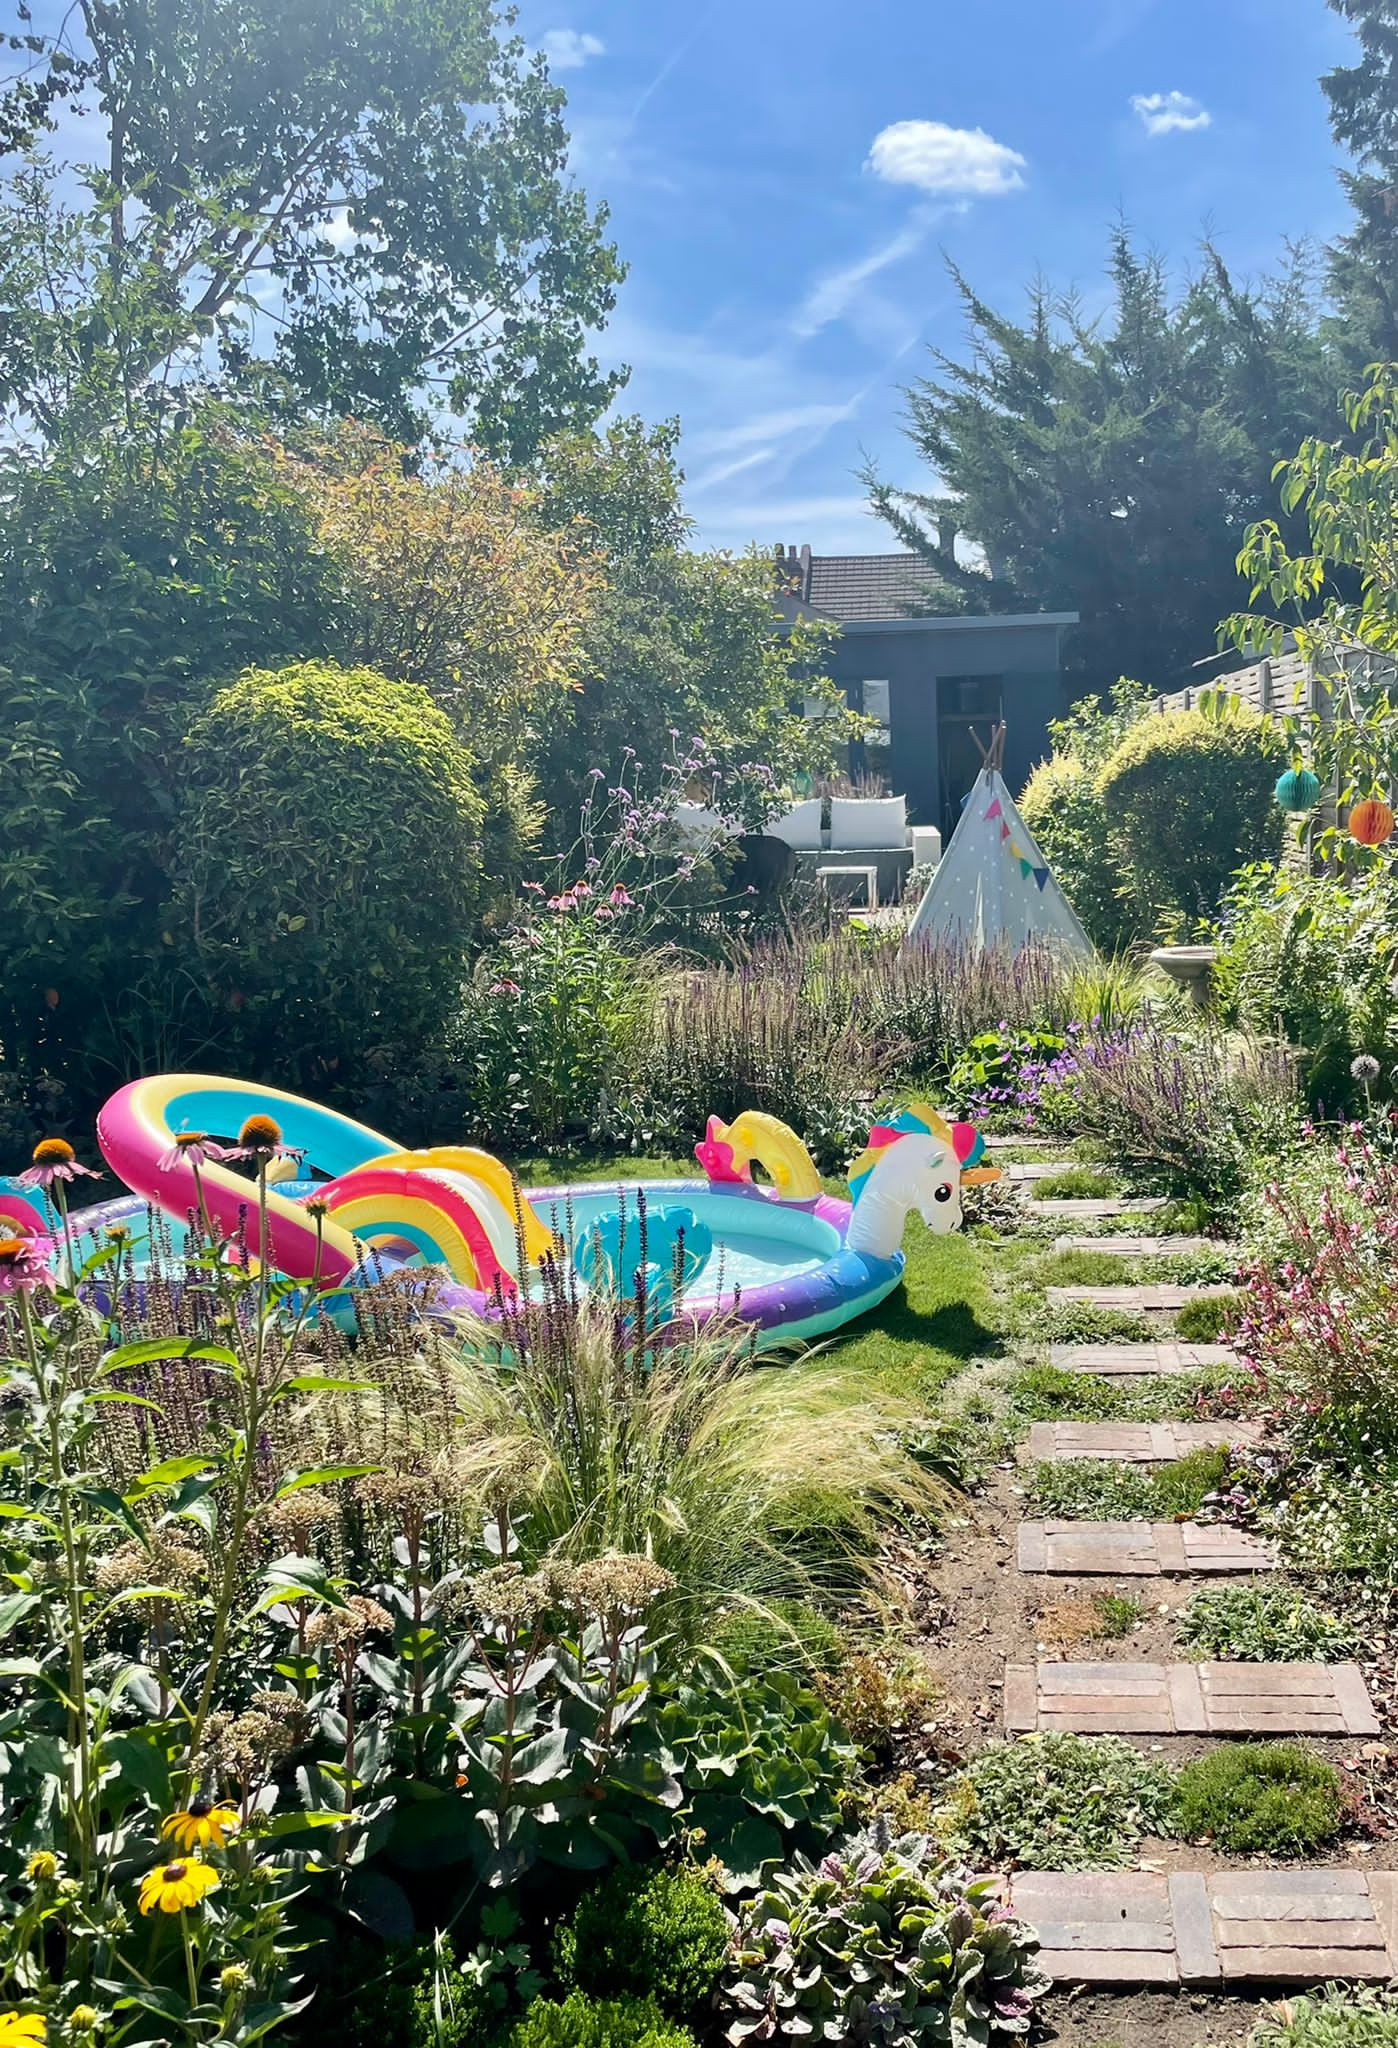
920,1120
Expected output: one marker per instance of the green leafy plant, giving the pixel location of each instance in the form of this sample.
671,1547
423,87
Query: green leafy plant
1259,1799
325,863
1056,1802
582,2022
1042,1393
781,1633
1352,2016
876,1695
1204,1320
655,1933
1076,1184
1084,1489
1216,774
879,1934
1263,1624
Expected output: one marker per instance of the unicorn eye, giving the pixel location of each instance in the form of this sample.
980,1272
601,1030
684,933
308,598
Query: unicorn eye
944,1192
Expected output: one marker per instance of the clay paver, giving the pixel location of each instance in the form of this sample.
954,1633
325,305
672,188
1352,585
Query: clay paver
1127,1698
1133,1443
1213,1929
1003,1142
1130,1361
1090,1208
1141,1549
1122,1246
1039,1169
1163,1296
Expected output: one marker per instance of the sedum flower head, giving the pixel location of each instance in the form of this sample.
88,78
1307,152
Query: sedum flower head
620,1584
339,1627
160,1562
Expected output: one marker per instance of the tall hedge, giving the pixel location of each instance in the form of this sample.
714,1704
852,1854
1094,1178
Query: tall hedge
325,865
1188,801
1062,806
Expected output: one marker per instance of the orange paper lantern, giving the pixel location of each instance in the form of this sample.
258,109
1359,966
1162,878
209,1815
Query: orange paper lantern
1371,822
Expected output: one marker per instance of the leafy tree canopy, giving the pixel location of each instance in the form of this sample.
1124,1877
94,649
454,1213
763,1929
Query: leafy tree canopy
1110,466
1363,99
350,202
681,645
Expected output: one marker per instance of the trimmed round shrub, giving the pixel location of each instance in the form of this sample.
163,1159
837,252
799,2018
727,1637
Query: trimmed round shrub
656,1932
1188,801
1062,806
1259,1799
581,2022
325,864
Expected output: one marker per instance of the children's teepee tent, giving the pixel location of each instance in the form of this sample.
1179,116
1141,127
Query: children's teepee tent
992,886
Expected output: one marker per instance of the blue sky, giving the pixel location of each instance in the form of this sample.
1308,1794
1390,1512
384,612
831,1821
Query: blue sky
783,181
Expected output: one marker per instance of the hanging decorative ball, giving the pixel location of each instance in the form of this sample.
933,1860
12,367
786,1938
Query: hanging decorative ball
1371,822
1297,790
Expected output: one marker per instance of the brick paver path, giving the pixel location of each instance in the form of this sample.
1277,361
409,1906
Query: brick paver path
1132,1361
1010,1144
1124,1698
1124,1247
1214,1929
1133,1443
1163,1296
1039,1169
1141,1549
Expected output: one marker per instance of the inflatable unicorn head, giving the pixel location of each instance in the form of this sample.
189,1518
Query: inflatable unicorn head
919,1161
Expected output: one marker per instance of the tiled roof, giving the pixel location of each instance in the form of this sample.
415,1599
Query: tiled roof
871,586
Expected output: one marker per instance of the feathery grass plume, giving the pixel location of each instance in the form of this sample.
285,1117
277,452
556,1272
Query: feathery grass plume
750,1479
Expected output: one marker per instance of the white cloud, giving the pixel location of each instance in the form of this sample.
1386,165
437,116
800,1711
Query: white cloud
937,158
775,425
831,295
722,472
1169,113
568,49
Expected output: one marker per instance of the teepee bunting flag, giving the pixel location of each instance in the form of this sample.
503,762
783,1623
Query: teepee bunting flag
993,887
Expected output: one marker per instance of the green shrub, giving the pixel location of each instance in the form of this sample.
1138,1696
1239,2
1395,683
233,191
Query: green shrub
1189,802
325,864
880,1926
654,1933
1310,959
1272,1624
1355,2016
1063,807
1259,1799
582,2022
1056,1802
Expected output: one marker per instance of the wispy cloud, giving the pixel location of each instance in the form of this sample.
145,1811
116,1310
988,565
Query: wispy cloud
1169,113
936,158
831,296
568,49
775,425
723,472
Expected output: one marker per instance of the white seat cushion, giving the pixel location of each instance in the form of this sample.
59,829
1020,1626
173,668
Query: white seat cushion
873,824
800,828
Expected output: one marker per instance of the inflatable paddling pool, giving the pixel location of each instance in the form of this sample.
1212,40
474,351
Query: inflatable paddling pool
794,1261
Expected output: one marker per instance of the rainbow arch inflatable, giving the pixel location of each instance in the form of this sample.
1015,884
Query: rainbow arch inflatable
786,1255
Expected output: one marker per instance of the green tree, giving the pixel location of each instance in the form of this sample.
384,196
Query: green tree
1110,467
133,579
1336,596
379,184
325,865
1363,100
682,645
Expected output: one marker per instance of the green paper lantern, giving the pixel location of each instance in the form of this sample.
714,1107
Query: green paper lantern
1297,790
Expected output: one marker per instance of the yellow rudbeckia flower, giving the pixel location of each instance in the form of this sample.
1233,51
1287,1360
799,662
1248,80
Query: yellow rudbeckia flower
21,2030
202,1823
173,1886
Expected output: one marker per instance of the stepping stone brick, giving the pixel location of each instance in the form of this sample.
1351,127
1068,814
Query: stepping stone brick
1133,1443
1125,1698
1141,1549
1215,1929
1163,1296
1124,1247
1000,1143
1131,1361
1040,1169
1090,1208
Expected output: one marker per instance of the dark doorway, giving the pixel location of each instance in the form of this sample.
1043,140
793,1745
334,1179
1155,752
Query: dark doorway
963,702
